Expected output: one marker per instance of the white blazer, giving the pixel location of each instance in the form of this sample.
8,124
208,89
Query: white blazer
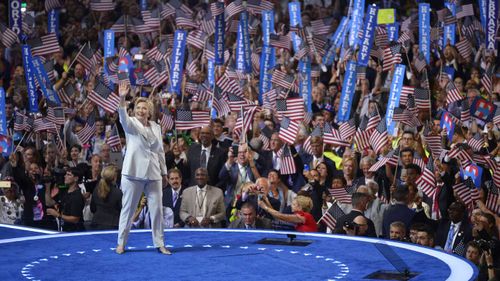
144,158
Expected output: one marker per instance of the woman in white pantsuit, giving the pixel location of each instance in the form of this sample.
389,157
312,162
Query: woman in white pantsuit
143,169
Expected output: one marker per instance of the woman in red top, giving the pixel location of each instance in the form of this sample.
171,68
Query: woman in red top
301,207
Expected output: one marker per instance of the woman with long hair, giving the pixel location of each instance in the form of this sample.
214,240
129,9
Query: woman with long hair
106,201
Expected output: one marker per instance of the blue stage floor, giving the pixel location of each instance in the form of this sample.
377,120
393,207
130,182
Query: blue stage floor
212,255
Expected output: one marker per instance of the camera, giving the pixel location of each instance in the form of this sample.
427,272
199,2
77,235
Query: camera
485,245
350,225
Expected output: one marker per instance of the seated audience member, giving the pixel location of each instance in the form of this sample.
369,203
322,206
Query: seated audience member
397,231
172,195
11,207
203,205
142,217
483,259
425,237
106,202
358,226
301,217
256,191
249,220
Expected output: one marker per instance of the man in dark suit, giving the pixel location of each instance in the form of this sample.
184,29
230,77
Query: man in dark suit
172,195
249,220
400,212
359,204
206,155
454,233
317,156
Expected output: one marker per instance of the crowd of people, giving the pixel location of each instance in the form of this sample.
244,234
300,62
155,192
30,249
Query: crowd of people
254,159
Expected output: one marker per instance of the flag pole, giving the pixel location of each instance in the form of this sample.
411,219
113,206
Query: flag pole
19,143
74,59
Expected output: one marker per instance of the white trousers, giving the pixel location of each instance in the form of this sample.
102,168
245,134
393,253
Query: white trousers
132,190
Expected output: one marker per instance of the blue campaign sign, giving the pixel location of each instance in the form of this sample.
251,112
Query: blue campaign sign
474,172
395,94
347,92
424,28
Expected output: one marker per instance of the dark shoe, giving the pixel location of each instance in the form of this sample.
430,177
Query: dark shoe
162,250
120,249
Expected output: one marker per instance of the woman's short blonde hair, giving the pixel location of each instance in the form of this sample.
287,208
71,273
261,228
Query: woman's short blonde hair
304,202
149,103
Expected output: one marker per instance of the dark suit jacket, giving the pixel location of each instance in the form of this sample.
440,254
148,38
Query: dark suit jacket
260,223
463,237
339,227
401,212
215,162
295,181
308,159
168,202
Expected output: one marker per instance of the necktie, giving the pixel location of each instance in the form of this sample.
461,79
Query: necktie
315,163
203,159
275,161
448,247
248,226
175,197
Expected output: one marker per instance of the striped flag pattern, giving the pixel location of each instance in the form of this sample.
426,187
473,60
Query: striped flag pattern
379,137
332,215
288,130
292,108
287,163
44,45
452,93
104,97
187,119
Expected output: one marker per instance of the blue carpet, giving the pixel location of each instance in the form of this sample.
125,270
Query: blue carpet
10,231
211,255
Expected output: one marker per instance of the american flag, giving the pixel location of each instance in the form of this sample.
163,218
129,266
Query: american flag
405,92
379,137
496,119
424,80
459,153
66,93
44,45
102,5
158,73
422,98
104,97
88,130
207,25
265,136
362,137
381,37
269,99
86,57
486,80
236,102
178,5
468,28
341,195
391,158
452,93
7,36
302,52
405,39
49,68
280,41
123,77
360,72
307,143
217,8
56,115
197,38
22,122
322,26
476,142
292,108
159,52
332,215
492,200
167,10
466,191
187,119
288,130
152,18
445,16
405,117
52,5
28,23
59,136
257,6
184,20
284,80
347,129
464,11
392,56
436,33
464,48
113,139
420,62
248,117
373,120
434,142
332,136
43,124
220,102
377,53
287,163
234,8
166,122
140,27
